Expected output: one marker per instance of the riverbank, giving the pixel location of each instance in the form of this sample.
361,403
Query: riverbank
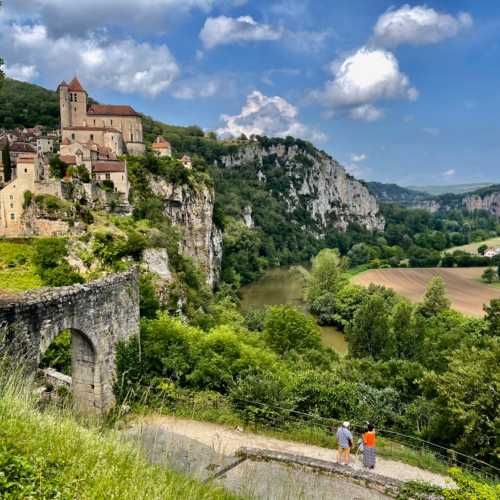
283,286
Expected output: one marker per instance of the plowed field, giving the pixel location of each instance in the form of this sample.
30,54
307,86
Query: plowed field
467,295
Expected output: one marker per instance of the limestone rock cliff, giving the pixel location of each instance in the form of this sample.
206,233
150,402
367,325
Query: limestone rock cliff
310,180
191,210
489,202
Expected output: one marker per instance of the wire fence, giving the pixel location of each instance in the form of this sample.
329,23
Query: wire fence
445,456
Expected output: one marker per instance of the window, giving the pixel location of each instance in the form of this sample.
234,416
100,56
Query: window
73,136
11,196
108,177
111,122
76,97
75,109
13,216
25,170
94,122
91,137
71,97
12,205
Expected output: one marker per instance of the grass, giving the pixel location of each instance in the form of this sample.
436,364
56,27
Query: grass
51,455
472,247
17,272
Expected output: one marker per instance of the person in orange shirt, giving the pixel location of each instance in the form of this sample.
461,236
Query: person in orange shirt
369,453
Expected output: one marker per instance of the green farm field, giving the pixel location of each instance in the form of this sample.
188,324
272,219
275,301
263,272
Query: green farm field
472,247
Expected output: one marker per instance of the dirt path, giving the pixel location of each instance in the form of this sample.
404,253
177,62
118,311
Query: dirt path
466,293
226,441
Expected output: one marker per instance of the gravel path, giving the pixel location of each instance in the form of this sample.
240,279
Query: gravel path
225,441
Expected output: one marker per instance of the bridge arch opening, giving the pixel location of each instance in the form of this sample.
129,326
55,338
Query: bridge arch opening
72,353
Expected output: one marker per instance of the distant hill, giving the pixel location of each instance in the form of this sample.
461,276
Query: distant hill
452,189
392,193
25,105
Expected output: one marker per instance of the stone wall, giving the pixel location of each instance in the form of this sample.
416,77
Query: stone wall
98,314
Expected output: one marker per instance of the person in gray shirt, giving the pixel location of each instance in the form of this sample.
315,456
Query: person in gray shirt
344,444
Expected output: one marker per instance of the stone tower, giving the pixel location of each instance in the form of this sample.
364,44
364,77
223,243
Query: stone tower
72,104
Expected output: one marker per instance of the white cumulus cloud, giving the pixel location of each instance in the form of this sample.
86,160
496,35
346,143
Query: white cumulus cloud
357,158
124,65
226,30
25,73
361,79
263,115
76,18
449,173
418,25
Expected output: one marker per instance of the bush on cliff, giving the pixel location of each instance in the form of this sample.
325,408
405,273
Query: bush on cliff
49,259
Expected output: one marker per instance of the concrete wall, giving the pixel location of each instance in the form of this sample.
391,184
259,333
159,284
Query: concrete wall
98,314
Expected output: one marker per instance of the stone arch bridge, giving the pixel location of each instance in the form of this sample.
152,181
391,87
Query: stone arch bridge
98,314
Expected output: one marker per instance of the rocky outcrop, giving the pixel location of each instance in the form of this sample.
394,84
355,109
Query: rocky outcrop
156,262
191,210
489,202
315,183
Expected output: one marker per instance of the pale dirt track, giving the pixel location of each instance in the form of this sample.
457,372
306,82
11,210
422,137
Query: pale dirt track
467,295
226,441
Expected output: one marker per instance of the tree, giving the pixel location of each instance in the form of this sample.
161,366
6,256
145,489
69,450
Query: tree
408,342
287,329
465,412
7,165
489,275
435,299
326,276
2,74
57,167
493,317
370,334
481,249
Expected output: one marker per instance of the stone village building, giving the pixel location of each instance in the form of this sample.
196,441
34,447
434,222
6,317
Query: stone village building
92,137
118,127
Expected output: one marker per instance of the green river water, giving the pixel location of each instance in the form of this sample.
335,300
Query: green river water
282,286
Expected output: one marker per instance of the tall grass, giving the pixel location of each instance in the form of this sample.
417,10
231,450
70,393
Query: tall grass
50,455
17,272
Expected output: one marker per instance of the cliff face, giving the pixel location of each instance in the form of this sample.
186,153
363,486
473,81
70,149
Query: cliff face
191,211
309,180
489,202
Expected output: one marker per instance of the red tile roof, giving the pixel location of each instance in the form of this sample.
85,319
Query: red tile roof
22,147
68,159
75,85
160,145
161,140
29,157
66,142
111,110
108,166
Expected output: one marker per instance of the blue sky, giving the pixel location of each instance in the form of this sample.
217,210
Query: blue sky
397,92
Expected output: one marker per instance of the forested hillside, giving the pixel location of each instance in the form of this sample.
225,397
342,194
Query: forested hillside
392,193
26,105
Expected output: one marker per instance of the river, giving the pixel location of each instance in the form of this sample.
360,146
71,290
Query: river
282,286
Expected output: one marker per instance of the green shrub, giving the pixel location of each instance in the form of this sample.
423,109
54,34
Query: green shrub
263,399
28,197
470,489
58,355
49,259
